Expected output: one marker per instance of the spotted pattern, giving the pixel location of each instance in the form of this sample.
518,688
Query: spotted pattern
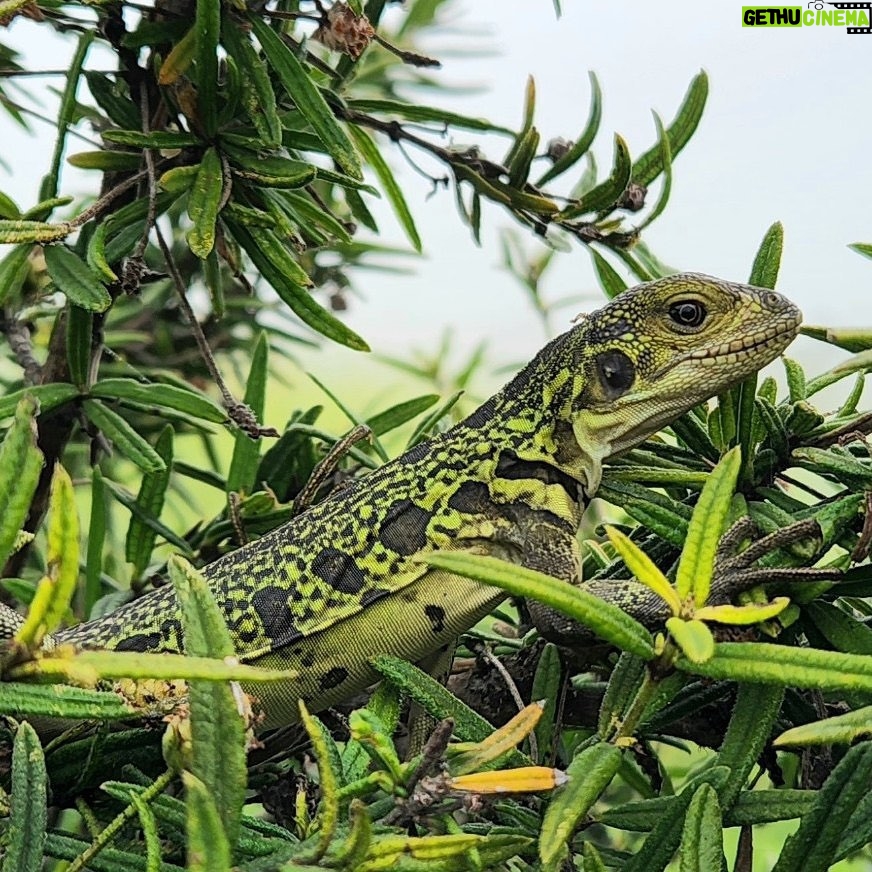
503,481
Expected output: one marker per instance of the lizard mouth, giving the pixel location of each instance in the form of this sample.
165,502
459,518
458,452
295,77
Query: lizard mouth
777,337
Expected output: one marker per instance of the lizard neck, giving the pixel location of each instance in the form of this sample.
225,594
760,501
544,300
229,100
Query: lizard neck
535,416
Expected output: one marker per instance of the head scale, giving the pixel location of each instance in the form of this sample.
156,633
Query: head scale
659,349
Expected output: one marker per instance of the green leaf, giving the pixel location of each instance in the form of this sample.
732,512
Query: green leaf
812,847
14,269
767,261
328,780
608,621
707,524
644,569
123,436
609,279
217,727
158,139
863,248
702,844
246,451
60,701
650,164
48,397
850,338
154,395
96,538
111,96
282,271
25,838
207,27
401,413
306,96
842,631
20,465
693,637
140,537
208,845
62,547
373,156
788,667
436,700
204,199
416,112
272,172
665,837
21,231
666,189
757,707
547,682
582,145
80,327
846,729
606,195
590,773
72,276
92,666
258,97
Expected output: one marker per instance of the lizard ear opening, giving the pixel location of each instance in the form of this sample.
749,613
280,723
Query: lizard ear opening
616,373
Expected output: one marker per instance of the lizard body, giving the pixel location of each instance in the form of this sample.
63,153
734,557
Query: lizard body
338,584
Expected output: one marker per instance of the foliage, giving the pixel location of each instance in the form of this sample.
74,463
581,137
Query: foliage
238,141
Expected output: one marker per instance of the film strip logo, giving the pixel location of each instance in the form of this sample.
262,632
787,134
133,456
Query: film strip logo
865,5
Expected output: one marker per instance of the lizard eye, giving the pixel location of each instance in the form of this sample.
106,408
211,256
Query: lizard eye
687,313
616,373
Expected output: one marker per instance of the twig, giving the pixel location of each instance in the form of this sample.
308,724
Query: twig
239,413
18,337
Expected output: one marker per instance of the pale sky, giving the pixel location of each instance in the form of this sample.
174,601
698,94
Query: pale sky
786,136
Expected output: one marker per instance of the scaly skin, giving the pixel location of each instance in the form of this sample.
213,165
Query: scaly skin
338,584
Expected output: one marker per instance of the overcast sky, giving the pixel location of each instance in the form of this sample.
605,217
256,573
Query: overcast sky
786,136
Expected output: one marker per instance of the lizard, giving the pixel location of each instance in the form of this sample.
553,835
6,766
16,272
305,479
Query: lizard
340,582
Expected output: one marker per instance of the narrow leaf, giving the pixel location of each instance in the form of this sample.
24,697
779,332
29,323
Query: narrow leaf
650,165
707,524
140,537
154,395
846,729
644,569
73,277
123,436
582,145
693,637
25,838
217,727
702,846
208,845
205,196
279,268
373,156
812,847
20,465
300,88
606,620
590,772
207,26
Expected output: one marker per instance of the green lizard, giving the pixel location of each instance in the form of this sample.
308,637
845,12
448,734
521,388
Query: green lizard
339,583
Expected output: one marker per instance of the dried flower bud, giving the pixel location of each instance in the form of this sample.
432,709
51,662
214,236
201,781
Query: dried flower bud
342,30
634,197
558,147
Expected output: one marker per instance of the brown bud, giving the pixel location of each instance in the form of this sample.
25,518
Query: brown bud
342,30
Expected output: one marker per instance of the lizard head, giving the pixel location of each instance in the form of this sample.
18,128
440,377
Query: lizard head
659,349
